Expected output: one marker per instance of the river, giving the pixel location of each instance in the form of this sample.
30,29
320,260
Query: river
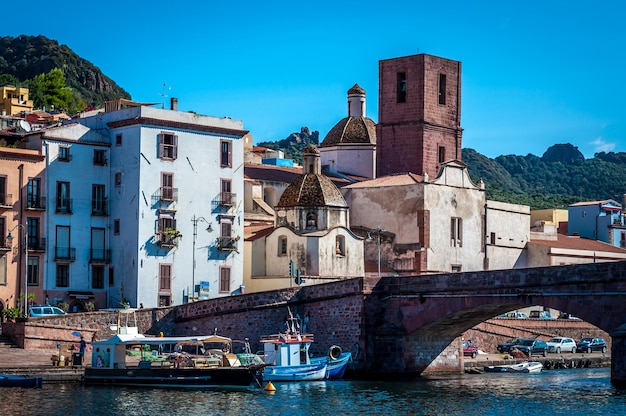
556,392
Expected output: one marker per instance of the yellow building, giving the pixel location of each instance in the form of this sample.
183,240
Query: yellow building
14,100
548,216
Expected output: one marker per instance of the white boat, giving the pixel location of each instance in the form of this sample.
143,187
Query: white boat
286,356
523,367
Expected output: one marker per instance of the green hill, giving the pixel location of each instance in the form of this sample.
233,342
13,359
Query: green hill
25,57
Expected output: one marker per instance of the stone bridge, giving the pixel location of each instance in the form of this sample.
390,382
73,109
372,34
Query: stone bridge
393,325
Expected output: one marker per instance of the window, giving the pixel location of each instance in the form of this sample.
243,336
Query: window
100,157
442,89
456,268
164,300
340,245
111,277
3,191
226,195
64,153
116,227
33,194
168,146
492,238
64,203
62,250
97,277
442,154
225,154
167,186
33,271
225,280
3,270
311,221
118,139
401,87
63,275
118,178
282,245
32,224
98,200
165,277
456,232
3,232
98,250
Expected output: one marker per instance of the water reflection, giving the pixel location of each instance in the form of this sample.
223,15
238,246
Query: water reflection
571,392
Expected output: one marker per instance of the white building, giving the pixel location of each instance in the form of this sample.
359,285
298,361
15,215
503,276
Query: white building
156,218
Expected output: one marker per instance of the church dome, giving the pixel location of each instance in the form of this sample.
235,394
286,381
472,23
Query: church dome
312,190
351,130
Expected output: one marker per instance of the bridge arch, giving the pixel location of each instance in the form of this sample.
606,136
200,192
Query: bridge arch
413,320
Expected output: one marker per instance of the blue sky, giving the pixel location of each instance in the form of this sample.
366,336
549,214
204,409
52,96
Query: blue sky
534,73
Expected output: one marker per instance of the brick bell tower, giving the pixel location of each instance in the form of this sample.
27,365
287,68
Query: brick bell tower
419,114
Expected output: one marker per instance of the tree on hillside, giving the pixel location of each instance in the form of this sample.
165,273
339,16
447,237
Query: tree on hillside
50,91
8,79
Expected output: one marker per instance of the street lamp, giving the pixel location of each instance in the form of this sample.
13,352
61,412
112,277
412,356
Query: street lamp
377,231
25,256
193,253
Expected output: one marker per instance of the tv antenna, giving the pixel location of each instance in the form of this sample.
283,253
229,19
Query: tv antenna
163,94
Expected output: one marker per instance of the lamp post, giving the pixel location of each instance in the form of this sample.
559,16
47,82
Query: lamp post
25,256
378,231
195,221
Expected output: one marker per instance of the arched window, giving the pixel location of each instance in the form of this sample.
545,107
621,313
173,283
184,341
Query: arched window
311,220
340,245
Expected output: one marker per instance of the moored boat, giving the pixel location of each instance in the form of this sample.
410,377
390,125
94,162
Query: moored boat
207,361
523,367
9,380
336,362
287,356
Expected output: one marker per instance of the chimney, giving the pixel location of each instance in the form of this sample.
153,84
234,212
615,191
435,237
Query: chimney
174,104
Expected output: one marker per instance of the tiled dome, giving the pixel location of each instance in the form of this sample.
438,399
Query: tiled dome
312,190
356,89
353,130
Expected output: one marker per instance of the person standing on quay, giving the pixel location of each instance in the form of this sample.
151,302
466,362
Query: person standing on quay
83,347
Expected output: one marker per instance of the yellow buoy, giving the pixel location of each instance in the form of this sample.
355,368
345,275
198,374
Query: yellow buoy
269,386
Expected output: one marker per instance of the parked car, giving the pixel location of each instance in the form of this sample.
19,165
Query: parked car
469,350
45,310
532,347
559,344
513,315
506,346
565,315
540,315
591,344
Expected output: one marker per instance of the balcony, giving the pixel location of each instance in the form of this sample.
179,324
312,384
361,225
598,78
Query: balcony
227,243
99,256
165,194
167,239
4,244
36,244
228,199
6,201
99,208
64,206
35,203
64,253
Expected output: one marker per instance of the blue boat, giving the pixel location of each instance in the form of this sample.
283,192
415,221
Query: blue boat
336,362
8,380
